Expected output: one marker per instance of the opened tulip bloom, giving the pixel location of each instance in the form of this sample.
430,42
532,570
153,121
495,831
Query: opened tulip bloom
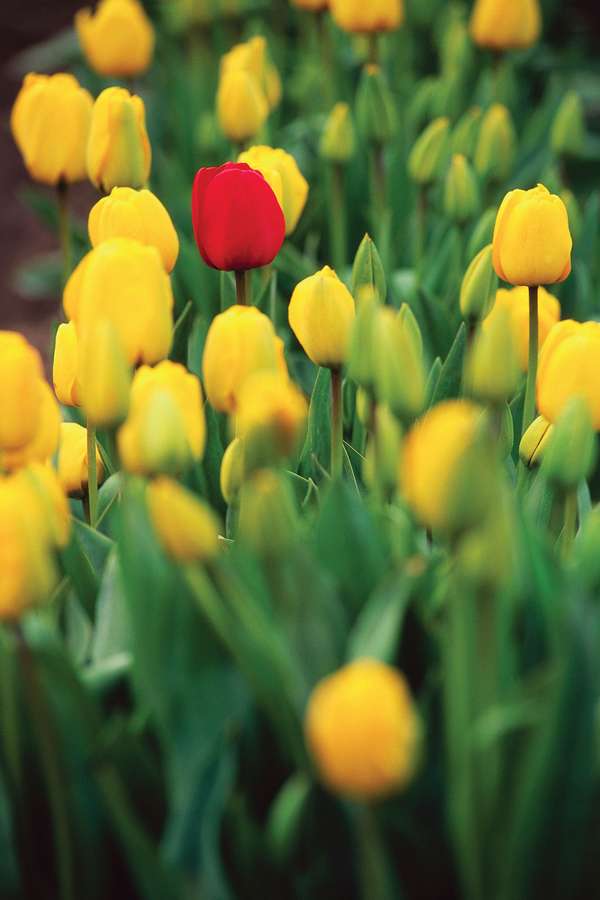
570,367
281,171
506,24
375,15
238,221
118,151
117,39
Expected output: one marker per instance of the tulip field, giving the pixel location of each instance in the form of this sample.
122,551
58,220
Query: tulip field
300,504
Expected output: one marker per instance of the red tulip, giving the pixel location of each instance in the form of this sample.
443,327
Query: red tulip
238,222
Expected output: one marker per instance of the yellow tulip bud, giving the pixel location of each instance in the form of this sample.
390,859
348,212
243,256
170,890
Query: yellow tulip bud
293,185
572,448
461,190
118,150
135,214
496,144
104,377
240,341
363,730
50,122
570,367
534,441
506,26
516,303
73,460
20,396
568,129
42,496
65,367
242,106
165,430
45,439
251,57
268,518
232,471
125,282
478,286
445,467
532,243
186,527
117,39
270,418
429,151
363,18
492,367
321,313
338,140
399,375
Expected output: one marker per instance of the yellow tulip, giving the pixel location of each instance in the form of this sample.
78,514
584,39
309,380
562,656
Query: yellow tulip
20,397
118,150
532,243
65,366
165,430
117,39
135,214
534,441
506,24
242,106
515,302
72,467
363,731
45,499
231,475
270,417
251,57
375,15
281,170
45,439
491,372
50,122
569,367
125,282
104,376
321,314
186,527
240,341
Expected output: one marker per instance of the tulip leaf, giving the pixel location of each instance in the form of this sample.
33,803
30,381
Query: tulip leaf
450,379
315,455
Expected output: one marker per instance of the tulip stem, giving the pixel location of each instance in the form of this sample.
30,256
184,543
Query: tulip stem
92,475
570,524
373,57
371,855
529,406
64,228
337,220
242,288
337,435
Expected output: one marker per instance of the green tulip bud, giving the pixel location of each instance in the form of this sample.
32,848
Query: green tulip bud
534,441
367,270
567,136
399,375
456,50
492,367
479,286
380,466
465,132
482,233
570,453
461,190
448,97
496,145
337,141
375,109
429,151
361,346
268,521
419,110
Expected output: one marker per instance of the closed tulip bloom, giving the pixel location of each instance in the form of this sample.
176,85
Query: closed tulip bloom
117,39
363,730
363,18
534,441
515,302
321,313
135,214
496,144
479,286
118,150
567,136
270,417
399,374
104,376
238,221
186,527
251,57
165,430
232,471
570,367
44,442
242,106
40,493
281,171
532,243
72,468
65,367
20,397
240,341
124,281
429,151
50,122
502,25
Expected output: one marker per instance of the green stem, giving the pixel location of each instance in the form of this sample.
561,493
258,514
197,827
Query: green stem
92,475
336,423
371,855
242,288
337,219
529,406
64,228
570,524
55,782
373,56
326,57
420,231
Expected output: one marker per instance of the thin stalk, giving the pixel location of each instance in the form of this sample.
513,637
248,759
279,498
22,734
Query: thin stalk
242,288
529,407
570,524
92,476
336,423
371,854
64,228
373,56
337,219
420,231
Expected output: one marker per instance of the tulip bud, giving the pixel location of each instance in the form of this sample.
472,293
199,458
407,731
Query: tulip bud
496,146
532,243
268,519
293,185
232,471
478,287
338,140
567,137
270,418
118,151
456,49
500,26
569,366
380,466
186,527
571,452
29,574
482,233
534,441
242,107
364,18
375,109
321,313
429,151
72,466
104,378
20,398
367,270
420,109
66,364
363,406
117,39
50,122
361,346
492,369
516,303
345,710
135,214
399,374
465,132
251,57
240,341
461,190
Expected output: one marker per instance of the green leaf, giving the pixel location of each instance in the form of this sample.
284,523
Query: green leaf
111,631
315,456
449,382
376,632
